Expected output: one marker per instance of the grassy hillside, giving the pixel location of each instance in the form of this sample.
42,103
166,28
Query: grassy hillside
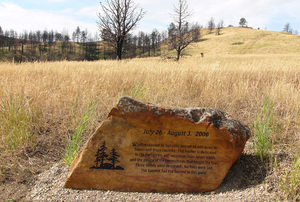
238,40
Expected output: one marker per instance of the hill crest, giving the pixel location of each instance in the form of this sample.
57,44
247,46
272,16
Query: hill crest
238,40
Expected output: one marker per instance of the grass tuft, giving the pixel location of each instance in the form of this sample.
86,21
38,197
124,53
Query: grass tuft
74,139
18,120
262,128
138,90
290,181
237,43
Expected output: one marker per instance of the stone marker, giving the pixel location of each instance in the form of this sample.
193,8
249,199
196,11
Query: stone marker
142,147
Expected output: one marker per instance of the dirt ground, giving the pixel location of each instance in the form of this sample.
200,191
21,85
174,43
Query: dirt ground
19,171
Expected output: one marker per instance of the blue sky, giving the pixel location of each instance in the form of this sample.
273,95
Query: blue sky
65,15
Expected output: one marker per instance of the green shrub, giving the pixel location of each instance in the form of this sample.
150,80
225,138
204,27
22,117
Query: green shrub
237,43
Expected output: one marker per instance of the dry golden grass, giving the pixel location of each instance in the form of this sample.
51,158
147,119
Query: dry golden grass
62,91
53,96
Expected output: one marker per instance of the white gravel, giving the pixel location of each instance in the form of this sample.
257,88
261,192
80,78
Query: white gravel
49,187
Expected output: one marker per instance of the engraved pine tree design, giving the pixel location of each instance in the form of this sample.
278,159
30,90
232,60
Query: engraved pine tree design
101,157
114,157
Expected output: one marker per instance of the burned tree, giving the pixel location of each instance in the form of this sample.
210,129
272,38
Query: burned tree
287,28
180,35
116,19
219,27
211,25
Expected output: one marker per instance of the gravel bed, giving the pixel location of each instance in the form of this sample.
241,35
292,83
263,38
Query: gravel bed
49,187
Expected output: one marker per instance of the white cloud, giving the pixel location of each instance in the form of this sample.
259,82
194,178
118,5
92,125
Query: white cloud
67,10
90,11
20,19
57,1
258,13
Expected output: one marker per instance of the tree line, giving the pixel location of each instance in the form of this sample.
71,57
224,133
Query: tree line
80,45
47,45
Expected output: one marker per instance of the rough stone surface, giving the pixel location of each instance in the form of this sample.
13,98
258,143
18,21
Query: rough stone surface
142,147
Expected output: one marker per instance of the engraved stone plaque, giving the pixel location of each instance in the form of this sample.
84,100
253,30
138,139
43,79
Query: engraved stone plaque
142,147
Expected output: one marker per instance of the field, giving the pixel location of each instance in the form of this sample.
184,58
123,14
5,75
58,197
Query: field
43,104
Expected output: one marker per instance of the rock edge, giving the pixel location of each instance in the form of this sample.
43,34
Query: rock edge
127,107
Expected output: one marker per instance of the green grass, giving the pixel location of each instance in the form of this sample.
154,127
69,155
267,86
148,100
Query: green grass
137,91
262,128
74,139
19,119
237,43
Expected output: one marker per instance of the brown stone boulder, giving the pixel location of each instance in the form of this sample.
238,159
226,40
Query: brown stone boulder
142,147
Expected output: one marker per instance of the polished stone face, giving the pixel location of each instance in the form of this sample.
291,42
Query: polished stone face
142,147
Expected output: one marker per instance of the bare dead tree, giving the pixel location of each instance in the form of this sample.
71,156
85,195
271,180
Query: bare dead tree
221,23
181,37
2,39
154,40
196,32
211,25
116,19
219,27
